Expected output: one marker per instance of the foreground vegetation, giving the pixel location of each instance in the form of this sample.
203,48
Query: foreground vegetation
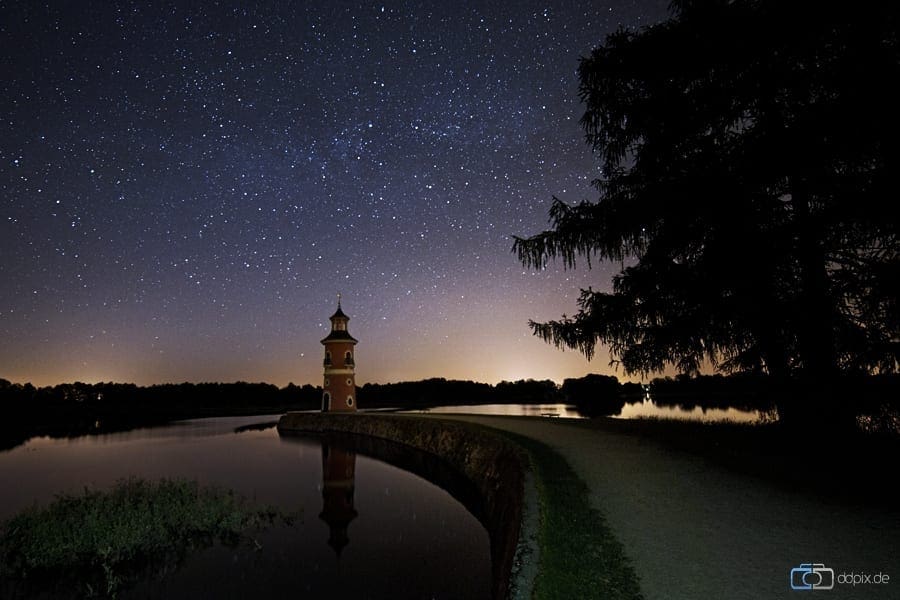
579,555
97,543
852,463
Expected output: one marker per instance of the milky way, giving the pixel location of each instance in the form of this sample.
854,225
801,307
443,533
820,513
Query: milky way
186,189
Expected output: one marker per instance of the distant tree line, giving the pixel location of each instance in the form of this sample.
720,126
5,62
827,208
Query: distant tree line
165,400
598,395
867,394
443,392
79,408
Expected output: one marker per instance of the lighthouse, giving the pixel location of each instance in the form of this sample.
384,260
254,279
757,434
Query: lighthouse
339,389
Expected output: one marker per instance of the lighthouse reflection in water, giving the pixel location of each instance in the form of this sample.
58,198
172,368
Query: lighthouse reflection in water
338,480
384,531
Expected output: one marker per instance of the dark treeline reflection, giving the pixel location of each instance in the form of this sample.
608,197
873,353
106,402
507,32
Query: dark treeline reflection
869,396
601,395
79,408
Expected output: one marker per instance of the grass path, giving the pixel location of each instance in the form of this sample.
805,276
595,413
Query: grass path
695,530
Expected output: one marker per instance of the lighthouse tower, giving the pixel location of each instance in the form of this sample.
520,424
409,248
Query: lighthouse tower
339,391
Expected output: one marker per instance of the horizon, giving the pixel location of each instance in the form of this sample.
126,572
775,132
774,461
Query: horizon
314,384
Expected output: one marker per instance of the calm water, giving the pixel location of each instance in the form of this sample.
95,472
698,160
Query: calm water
516,410
368,529
646,408
641,409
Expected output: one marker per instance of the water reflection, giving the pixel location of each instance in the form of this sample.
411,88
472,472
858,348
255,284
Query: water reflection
338,479
567,411
685,410
620,408
386,525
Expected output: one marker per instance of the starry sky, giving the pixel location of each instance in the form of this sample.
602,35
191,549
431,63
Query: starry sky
186,187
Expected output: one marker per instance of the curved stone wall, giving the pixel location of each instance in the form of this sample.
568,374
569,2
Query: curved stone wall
494,466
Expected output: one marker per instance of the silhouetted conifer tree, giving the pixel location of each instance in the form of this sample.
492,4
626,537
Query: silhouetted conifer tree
749,154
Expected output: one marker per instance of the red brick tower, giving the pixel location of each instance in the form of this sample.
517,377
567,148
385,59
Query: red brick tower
339,391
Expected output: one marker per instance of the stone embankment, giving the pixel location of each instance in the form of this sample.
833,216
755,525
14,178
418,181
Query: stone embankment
494,468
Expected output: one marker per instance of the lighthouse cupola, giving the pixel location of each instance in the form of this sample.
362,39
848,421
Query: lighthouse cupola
339,389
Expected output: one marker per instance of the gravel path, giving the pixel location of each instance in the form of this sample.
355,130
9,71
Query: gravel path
698,531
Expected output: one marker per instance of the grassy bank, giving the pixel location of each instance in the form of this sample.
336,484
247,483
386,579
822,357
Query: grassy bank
97,543
579,555
773,452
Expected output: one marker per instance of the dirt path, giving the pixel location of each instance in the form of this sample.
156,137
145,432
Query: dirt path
698,531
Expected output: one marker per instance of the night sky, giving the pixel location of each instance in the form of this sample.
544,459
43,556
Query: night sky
186,189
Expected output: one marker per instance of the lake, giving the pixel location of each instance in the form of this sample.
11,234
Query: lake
639,409
367,529
365,526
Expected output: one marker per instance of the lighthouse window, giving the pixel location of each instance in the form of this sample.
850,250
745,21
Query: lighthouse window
327,382
349,381
349,400
326,401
